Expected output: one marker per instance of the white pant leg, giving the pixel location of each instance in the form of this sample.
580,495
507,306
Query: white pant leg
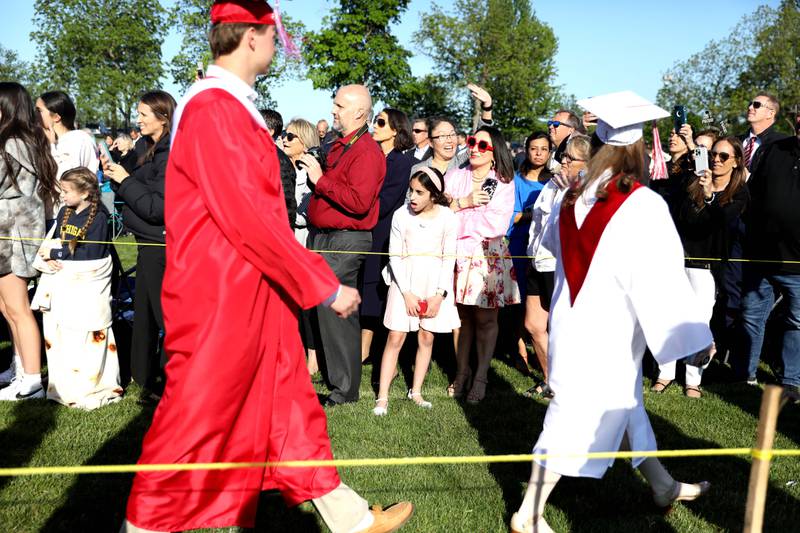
702,282
667,370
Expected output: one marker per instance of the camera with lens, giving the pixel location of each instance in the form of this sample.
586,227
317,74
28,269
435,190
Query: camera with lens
318,154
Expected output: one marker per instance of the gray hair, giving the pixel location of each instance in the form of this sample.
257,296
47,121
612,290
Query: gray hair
572,121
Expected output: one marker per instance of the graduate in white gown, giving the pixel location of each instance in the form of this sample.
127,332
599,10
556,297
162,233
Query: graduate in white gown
620,287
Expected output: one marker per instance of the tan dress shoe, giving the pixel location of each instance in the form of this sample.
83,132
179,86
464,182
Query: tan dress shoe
390,519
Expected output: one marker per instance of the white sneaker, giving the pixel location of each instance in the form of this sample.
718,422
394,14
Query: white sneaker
8,375
19,390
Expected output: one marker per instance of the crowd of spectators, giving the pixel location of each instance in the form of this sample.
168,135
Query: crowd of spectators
345,189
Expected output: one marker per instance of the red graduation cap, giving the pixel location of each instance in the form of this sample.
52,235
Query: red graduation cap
242,11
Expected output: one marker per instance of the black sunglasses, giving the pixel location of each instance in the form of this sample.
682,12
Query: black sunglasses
288,136
756,104
723,156
418,131
380,122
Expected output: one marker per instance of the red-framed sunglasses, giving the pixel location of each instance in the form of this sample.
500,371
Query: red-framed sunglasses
483,146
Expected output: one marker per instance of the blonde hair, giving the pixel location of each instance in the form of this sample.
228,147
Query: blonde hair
306,131
580,147
85,181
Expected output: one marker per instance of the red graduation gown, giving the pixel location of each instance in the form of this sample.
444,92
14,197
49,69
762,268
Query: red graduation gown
237,385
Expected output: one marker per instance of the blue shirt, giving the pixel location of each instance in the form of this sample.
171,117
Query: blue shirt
525,194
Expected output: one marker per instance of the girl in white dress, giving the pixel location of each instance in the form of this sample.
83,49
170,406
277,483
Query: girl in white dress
420,278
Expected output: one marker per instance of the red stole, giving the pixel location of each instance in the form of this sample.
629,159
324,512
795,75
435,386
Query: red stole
578,245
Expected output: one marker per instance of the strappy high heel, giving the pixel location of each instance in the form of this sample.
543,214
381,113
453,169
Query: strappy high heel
478,391
459,385
416,397
381,410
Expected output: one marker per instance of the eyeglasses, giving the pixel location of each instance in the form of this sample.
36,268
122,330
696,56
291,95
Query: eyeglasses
483,146
723,156
557,123
380,122
288,136
755,104
415,130
446,137
566,160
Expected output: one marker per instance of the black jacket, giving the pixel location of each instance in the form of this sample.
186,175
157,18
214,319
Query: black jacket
391,198
410,153
773,221
289,181
143,195
705,231
768,136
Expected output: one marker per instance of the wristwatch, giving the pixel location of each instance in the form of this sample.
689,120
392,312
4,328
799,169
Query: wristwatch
442,293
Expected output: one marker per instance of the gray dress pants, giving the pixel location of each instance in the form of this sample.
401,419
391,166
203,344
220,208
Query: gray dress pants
340,338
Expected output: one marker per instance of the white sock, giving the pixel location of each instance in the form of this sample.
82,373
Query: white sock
31,382
365,522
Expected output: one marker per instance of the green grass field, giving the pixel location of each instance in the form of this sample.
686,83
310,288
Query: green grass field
468,498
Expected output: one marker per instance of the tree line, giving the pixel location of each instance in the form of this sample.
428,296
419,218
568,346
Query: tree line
107,52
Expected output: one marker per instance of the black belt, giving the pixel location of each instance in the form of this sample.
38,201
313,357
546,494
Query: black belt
694,263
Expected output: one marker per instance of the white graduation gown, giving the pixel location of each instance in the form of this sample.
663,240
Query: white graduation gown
635,294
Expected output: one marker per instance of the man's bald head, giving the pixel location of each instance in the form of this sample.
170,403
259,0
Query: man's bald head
351,108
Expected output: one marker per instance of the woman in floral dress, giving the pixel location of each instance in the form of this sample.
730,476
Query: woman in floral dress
482,196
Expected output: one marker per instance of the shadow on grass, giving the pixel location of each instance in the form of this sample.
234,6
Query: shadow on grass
273,515
97,502
33,420
514,434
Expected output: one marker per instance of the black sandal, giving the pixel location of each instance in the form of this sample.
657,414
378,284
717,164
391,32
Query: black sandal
541,389
661,385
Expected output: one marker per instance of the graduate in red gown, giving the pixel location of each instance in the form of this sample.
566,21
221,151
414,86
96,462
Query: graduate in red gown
237,385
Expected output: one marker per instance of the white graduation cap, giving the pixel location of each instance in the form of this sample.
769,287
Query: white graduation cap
621,115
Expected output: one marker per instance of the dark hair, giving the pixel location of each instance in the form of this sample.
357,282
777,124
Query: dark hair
19,120
437,196
526,165
627,161
85,181
737,176
503,162
398,121
708,132
435,121
225,38
163,106
274,121
60,102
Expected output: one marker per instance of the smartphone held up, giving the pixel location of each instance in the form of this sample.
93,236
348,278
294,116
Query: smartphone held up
700,155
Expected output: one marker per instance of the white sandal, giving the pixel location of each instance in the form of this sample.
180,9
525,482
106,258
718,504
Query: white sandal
416,397
381,411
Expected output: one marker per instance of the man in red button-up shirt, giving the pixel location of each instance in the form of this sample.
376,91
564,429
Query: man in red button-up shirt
342,212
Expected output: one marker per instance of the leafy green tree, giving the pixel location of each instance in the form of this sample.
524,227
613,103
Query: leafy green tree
192,17
502,46
104,53
12,68
355,45
428,96
710,79
776,67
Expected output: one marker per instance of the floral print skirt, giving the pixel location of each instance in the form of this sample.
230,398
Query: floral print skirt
487,279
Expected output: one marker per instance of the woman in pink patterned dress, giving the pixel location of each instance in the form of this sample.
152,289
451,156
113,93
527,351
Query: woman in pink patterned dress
483,199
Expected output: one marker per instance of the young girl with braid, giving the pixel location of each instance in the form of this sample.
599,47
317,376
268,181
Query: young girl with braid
74,296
